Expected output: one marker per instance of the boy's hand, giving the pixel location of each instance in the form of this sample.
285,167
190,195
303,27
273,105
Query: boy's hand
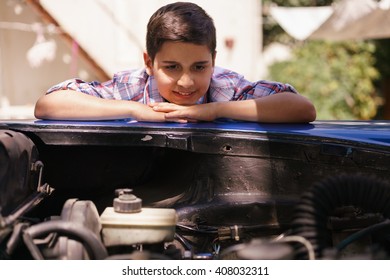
193,113
149,115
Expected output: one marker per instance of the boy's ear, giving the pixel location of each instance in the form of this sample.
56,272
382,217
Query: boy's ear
214,57
148,64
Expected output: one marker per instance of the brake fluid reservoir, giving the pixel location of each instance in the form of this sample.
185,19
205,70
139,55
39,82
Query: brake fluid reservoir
127,223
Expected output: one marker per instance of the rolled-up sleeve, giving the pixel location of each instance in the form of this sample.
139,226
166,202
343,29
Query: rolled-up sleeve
249,90
227,85
102,90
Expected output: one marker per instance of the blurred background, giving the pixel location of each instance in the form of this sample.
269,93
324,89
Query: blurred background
335,52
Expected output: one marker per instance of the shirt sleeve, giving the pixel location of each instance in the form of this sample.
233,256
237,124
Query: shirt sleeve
102,90
261,88
230,86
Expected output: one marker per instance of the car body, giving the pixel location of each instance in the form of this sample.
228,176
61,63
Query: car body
231,185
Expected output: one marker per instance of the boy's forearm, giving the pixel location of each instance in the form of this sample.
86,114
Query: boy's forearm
237,110
281,107
72,105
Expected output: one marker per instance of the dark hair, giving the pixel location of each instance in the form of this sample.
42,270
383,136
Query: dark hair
180,22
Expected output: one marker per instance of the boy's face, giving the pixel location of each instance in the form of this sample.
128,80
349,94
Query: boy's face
182,71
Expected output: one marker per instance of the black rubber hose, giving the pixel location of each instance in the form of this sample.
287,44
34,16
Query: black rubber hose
362,233
370,194
93,245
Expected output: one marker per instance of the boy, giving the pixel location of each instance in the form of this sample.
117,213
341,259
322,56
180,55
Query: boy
180,82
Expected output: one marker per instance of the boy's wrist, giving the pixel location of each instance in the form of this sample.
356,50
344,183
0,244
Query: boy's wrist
136,110
219,109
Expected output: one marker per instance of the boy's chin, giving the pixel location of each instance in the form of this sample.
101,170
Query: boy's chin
183,101
189,103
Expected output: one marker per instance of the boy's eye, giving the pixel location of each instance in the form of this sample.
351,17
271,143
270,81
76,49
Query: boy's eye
171,67
199,67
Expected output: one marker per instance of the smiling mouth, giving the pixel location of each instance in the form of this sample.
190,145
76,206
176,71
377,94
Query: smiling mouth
184,93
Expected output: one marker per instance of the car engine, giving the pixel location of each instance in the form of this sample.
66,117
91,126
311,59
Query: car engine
170,203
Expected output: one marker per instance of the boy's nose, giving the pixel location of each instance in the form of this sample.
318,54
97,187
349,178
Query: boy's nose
185,80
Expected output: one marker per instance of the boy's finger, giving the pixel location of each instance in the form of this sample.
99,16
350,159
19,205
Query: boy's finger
175,115
166,108
177,120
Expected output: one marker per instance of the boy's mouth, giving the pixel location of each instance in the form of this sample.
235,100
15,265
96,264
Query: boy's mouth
184,93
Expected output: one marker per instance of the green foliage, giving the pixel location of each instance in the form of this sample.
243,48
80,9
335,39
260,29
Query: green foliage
344,80
337,77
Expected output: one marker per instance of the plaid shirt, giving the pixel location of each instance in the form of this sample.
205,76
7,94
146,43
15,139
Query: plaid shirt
137,85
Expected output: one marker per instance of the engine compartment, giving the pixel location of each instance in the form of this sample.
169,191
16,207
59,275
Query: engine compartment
227,194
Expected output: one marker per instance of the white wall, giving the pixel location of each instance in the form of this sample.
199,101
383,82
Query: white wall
113,31
20,83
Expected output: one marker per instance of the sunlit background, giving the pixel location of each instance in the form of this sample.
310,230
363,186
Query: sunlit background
337,53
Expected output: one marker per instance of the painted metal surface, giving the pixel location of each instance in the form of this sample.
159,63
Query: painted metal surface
373,133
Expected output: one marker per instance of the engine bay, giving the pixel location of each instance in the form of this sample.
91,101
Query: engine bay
104,192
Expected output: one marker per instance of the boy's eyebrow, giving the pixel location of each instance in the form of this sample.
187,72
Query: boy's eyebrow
196,62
